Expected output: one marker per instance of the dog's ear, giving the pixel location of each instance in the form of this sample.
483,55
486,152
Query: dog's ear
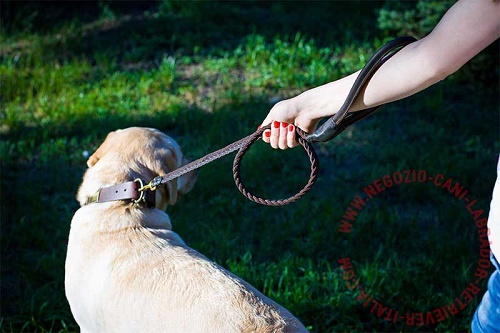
186,182
174,160
101,151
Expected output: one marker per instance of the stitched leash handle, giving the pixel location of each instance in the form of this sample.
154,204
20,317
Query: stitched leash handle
330,129
341,120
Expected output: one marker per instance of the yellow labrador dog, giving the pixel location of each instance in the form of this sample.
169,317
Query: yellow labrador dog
127,271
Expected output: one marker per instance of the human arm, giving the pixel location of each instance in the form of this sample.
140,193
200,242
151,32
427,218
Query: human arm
468,27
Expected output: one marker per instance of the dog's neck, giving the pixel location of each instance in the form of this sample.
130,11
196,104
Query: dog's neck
119,216
132,190
94,189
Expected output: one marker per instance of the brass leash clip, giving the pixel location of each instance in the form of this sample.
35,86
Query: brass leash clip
140,189
152,185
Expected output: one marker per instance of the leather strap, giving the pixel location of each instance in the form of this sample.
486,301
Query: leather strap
242,146
123,191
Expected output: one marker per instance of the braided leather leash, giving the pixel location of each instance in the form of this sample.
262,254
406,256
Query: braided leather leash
242,146
330,129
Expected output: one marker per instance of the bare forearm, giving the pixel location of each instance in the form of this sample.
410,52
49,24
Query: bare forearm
391,82
466,29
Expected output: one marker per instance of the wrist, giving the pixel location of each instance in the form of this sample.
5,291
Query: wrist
316,103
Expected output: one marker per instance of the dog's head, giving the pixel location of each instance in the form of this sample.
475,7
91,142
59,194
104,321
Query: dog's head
134,153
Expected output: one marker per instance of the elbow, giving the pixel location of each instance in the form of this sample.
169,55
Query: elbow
436,70
436,65
437,74
443,68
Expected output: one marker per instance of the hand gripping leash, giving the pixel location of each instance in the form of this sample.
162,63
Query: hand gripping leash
329,130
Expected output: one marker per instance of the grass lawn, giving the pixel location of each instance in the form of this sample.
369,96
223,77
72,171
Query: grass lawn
387,240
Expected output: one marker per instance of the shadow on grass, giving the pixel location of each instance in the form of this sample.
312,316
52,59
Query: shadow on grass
186,28
38,203
440,131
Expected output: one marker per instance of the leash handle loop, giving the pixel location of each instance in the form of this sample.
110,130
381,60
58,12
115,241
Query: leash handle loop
280,202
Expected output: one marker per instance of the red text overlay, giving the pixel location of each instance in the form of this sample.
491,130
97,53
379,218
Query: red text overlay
461,300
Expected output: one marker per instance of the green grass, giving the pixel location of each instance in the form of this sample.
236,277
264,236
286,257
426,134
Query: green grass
69,76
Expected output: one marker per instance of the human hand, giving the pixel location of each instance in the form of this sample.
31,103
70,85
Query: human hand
281,135
284,117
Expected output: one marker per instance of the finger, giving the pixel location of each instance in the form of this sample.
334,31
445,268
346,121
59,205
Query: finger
290,137
266,121
282,141
266,136
275,134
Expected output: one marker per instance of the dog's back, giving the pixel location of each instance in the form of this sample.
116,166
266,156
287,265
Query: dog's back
126,271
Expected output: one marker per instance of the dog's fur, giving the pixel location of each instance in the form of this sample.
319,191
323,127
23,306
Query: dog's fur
126,271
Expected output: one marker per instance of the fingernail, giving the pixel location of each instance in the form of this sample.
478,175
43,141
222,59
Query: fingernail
290,128
267,134
276,124
284,125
